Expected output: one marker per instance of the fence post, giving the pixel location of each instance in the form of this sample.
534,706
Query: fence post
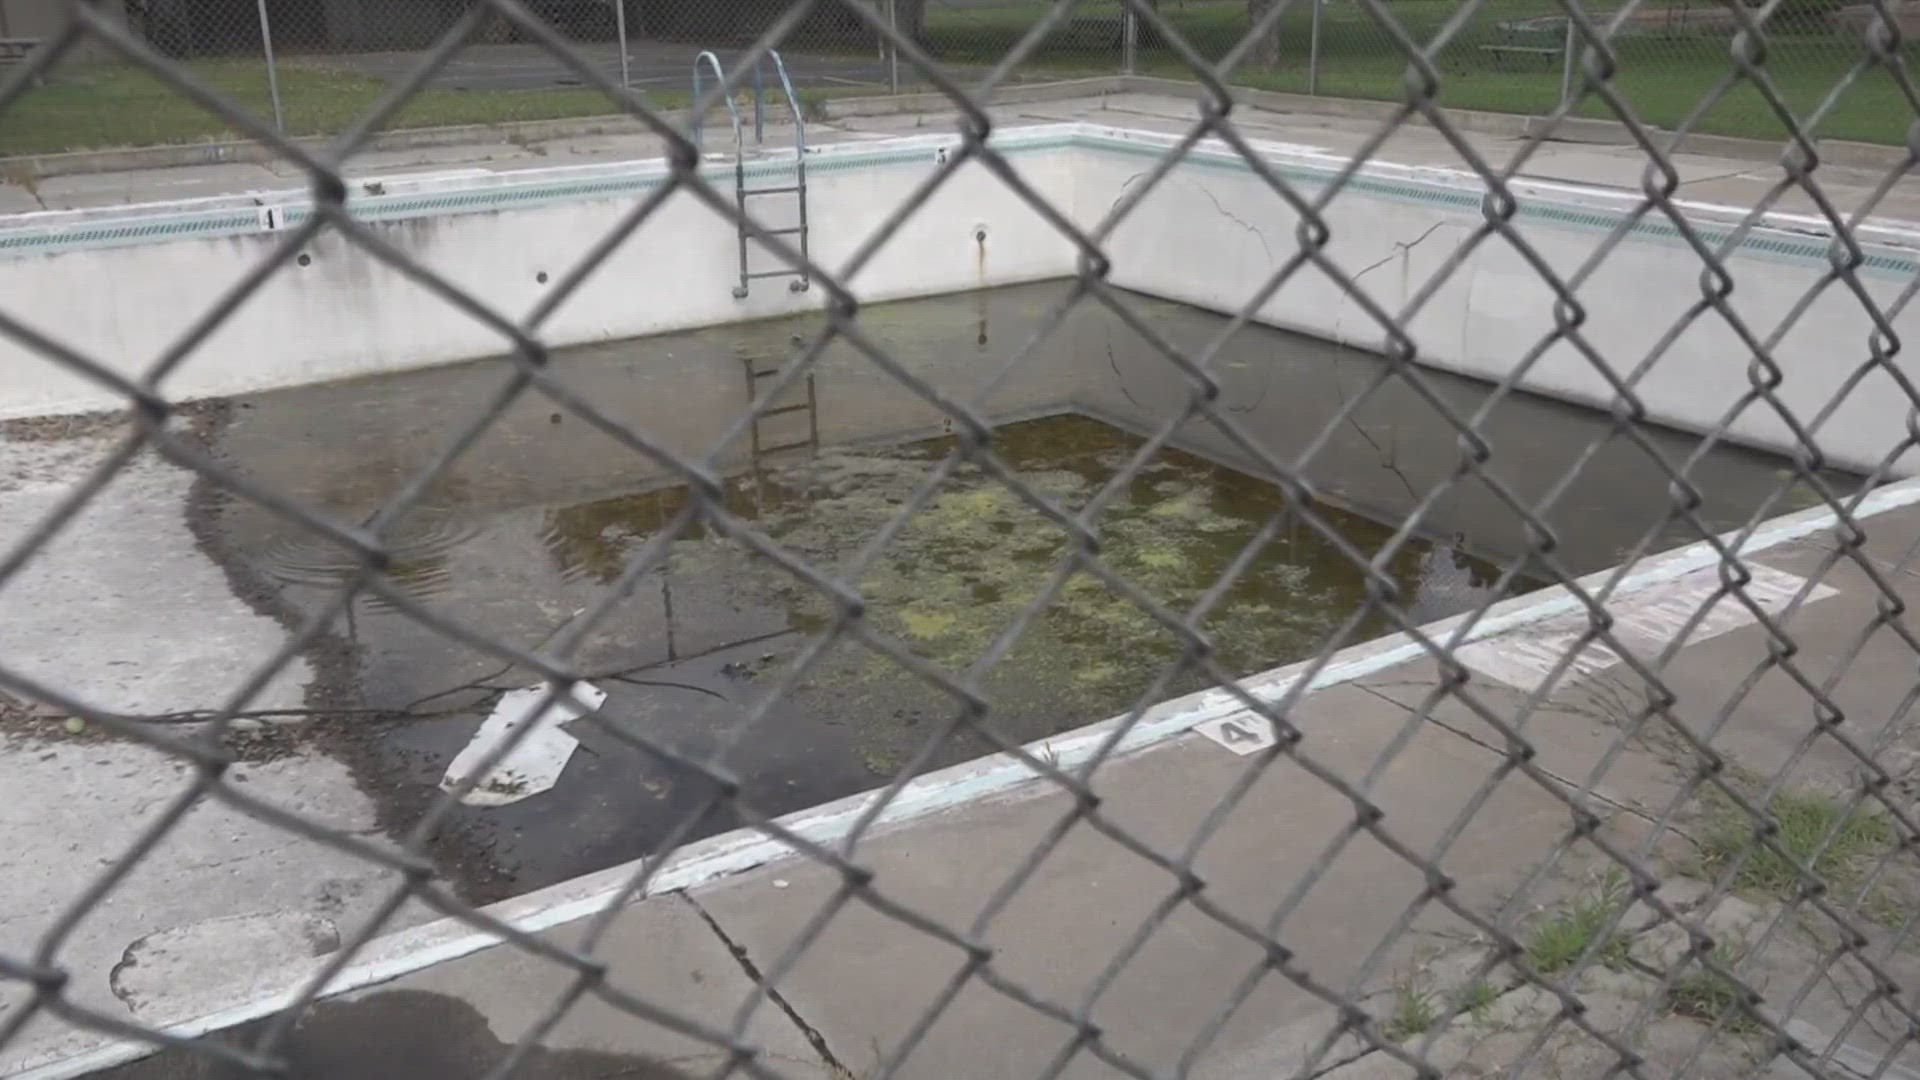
1567,60
273,77
760,102
1129,43
1313,51
620,31
893,51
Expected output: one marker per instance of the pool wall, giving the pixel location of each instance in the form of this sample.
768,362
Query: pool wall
120,285
1215,232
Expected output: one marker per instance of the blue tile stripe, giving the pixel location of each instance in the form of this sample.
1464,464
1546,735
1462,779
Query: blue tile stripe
227,222
1771,244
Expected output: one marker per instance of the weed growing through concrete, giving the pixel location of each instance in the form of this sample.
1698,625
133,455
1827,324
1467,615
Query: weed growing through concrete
1479,1000
1567,932
1413,1012
1708,996
1807,820
1048,756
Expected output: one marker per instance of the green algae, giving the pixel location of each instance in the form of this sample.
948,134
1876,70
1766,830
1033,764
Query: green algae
977,557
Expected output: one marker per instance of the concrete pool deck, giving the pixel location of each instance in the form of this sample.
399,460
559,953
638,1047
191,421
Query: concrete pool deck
164,947
1732,172
859,989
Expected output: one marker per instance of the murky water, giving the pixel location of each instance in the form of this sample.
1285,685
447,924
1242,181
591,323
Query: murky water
973,560
419,546
537,519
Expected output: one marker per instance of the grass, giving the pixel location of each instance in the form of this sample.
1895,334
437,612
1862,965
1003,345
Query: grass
1413,1012
113,105
1567,932
1806,818
1662,75
1706,996
1480,998
1416,1010
119,105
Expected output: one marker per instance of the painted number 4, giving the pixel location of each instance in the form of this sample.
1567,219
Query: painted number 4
1240,734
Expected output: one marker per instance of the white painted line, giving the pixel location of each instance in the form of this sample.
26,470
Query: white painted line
535,764
1646,620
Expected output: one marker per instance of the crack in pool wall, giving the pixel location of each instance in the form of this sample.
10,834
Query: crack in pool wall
1237,220
1401,249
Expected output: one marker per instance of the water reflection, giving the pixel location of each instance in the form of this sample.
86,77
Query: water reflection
973,560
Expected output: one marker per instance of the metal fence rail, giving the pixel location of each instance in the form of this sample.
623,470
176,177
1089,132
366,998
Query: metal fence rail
1421,45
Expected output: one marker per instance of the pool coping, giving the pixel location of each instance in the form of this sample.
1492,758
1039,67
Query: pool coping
50,165
1887,247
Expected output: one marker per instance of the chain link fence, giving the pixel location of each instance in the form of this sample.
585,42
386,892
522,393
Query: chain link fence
1524,55
1829,874
314,65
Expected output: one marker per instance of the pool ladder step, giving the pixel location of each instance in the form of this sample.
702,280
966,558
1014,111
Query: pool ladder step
749,237
810,404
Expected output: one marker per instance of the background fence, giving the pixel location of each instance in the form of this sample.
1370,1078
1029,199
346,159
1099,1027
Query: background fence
331,58
1820,877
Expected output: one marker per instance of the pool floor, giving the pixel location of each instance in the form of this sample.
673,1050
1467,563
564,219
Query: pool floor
543,515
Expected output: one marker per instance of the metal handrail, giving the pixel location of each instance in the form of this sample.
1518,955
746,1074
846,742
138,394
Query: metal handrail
699,113
746,229
793,103
799,152
759,100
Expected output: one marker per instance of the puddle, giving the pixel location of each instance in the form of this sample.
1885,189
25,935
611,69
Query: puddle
419,542
716,628
393,1035
969,563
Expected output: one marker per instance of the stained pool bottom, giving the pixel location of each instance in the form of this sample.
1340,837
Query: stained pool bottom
977,556
536,519
696,659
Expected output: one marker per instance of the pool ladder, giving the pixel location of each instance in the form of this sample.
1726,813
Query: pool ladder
760,369
741,192
809,403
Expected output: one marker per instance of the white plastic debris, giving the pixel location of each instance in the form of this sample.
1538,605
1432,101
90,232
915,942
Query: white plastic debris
535,764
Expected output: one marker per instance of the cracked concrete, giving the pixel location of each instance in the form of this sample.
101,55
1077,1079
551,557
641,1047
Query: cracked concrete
866,981
854,996
715,986
752,970
1705,176
79,616
222,886
856,993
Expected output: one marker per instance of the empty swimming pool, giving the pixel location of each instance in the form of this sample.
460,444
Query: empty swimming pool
541,516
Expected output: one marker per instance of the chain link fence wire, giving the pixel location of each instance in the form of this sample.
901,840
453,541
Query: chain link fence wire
1523,56
314,67
1767,833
